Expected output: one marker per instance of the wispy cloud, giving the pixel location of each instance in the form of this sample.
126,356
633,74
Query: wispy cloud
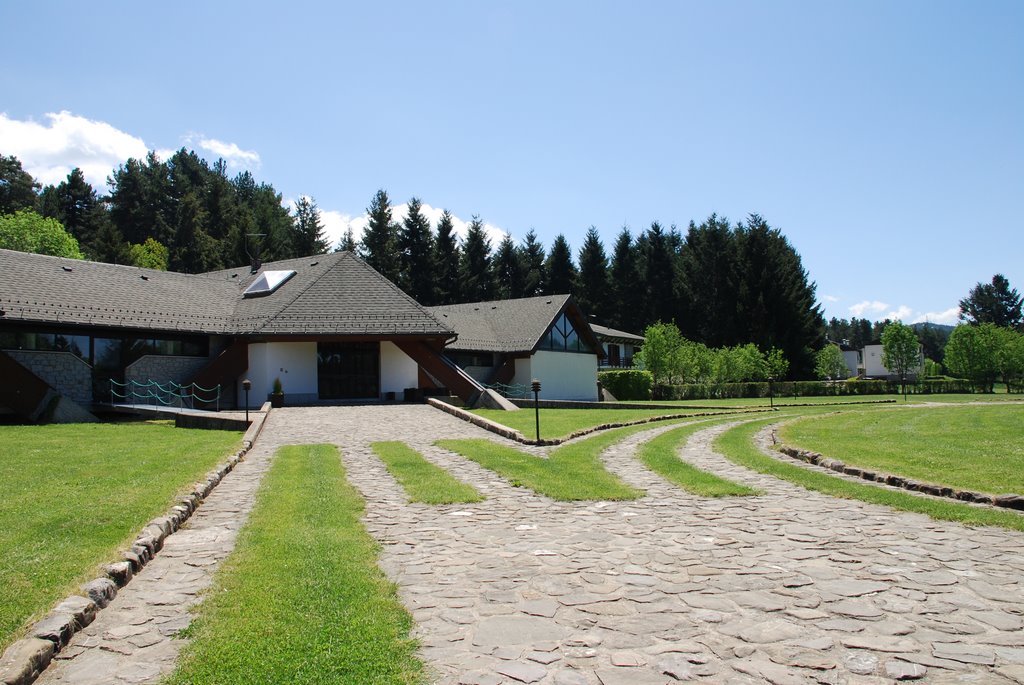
868,307
235,156
337,223
949,316
830,298
901,313
49,151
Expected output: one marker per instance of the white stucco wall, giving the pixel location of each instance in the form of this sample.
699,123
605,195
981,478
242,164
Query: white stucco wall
397,370
293,362
562,375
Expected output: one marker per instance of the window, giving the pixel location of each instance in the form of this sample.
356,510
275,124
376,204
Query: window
267,282
562,337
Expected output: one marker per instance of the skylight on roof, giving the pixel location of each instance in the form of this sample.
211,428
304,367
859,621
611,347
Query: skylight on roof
267,282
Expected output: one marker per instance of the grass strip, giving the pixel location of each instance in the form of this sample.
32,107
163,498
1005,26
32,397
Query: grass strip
423,482
74,494
661,455
737,445
966,447
561,423
301,599
572,472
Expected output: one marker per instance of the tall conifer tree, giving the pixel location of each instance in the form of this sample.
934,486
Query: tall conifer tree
476,277
592,285
447,258
308,233
659,275
533,256
626,311
416,250
508,270
561,271
380,239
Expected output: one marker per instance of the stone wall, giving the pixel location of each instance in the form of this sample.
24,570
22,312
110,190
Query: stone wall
163,368
64,372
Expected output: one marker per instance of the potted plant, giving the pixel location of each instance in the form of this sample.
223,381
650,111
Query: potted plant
277,395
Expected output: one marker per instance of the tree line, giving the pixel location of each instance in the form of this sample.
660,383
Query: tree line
722,284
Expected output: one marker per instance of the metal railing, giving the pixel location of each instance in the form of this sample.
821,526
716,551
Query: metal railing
169,394
513,390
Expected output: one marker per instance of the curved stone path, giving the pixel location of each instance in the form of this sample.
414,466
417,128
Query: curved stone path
787,587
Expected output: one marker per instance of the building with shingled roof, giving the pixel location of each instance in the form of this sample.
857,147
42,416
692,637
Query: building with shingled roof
329,327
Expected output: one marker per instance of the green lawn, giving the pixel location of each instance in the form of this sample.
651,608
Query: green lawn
737,444
783,401
661,455
966,447
560,423
424,482
75,494
571,472
301,599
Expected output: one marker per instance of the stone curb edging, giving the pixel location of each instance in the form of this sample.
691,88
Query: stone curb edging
515,435
24,660
1009,501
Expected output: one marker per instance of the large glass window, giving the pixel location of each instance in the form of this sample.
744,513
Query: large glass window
562,337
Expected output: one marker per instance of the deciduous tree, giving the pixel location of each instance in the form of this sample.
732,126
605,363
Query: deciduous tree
971,353
829,363
26,231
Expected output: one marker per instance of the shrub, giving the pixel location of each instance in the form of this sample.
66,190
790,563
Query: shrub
627,384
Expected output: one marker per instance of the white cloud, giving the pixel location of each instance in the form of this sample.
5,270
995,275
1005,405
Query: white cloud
337,223
949,316
900,313
235,156
50,152
868,306
830,298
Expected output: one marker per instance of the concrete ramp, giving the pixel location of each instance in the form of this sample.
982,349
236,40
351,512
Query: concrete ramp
30,397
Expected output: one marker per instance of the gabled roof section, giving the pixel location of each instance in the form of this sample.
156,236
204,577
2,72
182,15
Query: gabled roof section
330,294
509,326
605,334
54,290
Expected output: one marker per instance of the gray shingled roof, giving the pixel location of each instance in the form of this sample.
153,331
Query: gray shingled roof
606,334
334,294
54,290
502,325
331,294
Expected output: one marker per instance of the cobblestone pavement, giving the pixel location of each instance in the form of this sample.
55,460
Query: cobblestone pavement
787,587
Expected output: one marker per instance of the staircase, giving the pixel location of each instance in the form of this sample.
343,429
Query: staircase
443,369
224,369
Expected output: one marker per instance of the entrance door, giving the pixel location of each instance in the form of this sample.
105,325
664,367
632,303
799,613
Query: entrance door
348,371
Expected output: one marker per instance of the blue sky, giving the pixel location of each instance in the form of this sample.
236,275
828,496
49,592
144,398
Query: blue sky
886,140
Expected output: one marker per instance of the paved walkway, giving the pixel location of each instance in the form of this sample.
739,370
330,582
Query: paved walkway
787,587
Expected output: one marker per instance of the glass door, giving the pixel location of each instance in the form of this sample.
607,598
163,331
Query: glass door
348,371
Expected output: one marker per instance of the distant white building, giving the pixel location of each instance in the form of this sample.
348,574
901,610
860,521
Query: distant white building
873,367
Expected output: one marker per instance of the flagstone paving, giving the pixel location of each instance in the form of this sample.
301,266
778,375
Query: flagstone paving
786,587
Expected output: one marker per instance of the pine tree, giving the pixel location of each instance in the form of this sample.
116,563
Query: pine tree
707,280
776,304
996,303
626,309
508,270
561,271
659,276
593,291
308,233
416,250
447,258
476,277
532,254
194,251
347,242
17,186
380,239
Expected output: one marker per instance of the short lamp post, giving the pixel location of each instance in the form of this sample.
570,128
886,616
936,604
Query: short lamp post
903,382
535,386
246,385
771,392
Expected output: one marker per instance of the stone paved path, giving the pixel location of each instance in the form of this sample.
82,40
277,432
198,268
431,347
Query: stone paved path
787,587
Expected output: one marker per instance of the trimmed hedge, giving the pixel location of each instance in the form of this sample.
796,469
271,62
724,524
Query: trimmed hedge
852,387
627,384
